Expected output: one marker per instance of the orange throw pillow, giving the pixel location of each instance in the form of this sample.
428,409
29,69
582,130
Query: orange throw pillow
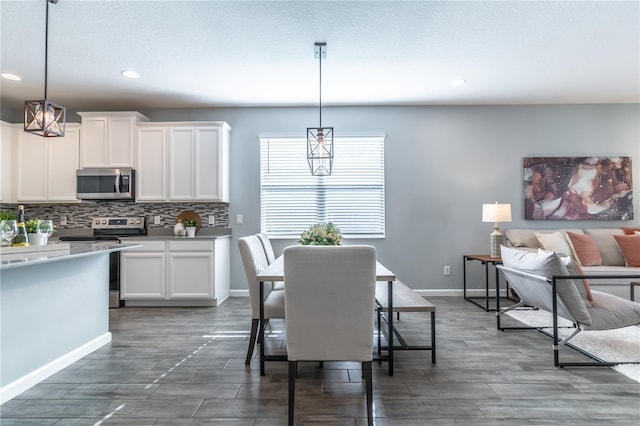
585,249
587,288
630,231
630,247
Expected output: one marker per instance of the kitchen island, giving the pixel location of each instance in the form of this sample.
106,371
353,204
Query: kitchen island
54,310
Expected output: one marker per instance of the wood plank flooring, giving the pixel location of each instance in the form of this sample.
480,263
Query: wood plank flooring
178,366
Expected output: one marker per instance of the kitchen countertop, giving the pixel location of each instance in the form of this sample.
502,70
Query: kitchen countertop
66,251
167,234
152,234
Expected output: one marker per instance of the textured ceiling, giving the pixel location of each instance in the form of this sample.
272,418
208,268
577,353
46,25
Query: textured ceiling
260,53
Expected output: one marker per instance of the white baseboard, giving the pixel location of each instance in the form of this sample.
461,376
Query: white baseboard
15,388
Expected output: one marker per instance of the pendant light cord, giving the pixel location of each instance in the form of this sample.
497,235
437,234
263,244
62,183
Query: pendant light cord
46,49
320,55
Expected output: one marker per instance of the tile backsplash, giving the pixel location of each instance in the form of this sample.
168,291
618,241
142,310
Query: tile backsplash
79,215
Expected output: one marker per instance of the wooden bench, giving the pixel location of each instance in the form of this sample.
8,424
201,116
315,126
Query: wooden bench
404,300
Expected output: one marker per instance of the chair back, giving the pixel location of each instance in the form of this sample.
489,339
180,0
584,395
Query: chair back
536,291
254,261
268,248
329,302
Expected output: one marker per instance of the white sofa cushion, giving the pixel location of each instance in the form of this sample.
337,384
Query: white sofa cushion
607,246
554,241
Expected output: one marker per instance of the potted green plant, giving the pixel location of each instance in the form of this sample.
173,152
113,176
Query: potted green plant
39,238
321,234
7,215
190,226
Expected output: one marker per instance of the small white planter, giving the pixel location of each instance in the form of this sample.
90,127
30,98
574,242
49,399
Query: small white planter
191,232
37,239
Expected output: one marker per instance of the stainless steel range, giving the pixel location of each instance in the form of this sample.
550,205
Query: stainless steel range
111,229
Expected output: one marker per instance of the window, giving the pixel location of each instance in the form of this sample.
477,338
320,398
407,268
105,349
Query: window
352,197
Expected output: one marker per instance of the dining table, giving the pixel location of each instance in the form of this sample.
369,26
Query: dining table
275,272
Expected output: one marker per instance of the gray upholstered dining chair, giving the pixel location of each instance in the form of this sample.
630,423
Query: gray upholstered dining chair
330,305
271,256
254,261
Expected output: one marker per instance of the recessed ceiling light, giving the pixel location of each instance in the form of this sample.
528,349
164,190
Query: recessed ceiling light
130,74
457,83
9,76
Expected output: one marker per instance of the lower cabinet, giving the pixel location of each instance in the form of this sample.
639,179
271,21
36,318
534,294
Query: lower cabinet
175,272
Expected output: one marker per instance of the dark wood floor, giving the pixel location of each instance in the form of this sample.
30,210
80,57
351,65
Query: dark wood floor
177,366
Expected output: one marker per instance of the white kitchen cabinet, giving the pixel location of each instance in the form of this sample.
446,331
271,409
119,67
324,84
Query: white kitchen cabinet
46,167
108,138
196,166
7,162
175,272
190,269
151,167
142,271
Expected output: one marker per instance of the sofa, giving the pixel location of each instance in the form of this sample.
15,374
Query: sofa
597,251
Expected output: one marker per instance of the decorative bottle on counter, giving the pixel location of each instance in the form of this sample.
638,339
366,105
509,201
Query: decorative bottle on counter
21,238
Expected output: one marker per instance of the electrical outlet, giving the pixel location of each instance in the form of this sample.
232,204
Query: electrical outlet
212,220
63,220
447,270
156,220
239,218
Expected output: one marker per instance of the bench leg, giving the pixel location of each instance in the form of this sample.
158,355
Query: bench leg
433,337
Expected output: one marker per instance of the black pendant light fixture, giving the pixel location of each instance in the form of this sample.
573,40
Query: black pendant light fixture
45,118
320,139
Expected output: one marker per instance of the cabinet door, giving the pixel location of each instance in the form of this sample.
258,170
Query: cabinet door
120,133
181,154
151,167
142,275
32,167
63,160
7,162
190,275
206,161
93,139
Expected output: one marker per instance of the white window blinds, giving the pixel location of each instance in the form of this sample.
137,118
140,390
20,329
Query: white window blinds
352,197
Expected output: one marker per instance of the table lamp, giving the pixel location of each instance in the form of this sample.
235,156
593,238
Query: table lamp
496,213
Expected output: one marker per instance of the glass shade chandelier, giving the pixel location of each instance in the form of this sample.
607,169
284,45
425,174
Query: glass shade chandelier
42,117
320,139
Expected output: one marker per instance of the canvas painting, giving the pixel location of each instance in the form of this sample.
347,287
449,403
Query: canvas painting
578,188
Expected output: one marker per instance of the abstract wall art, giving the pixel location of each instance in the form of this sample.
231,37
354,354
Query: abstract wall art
578,188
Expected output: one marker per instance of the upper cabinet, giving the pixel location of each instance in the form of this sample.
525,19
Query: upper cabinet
46,167
7,163
108,139
183,161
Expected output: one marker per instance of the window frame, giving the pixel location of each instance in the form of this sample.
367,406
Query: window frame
338,139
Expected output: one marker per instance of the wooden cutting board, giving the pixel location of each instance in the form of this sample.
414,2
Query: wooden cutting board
191,215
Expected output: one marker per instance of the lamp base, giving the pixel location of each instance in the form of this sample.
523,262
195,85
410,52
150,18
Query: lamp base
495,240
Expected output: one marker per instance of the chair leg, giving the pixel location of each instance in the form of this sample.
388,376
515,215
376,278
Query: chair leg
293,369
366,370
264,326
252,340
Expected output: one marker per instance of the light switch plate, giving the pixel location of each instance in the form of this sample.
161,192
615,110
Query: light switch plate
156,220
63,220
239,218
212,220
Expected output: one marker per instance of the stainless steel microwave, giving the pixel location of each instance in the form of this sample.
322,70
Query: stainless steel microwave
105,184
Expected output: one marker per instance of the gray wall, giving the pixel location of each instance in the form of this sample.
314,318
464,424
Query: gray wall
442,163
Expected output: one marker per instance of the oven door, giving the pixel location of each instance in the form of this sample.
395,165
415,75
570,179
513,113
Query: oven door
105,184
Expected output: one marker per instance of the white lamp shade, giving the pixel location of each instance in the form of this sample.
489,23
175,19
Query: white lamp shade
496,212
